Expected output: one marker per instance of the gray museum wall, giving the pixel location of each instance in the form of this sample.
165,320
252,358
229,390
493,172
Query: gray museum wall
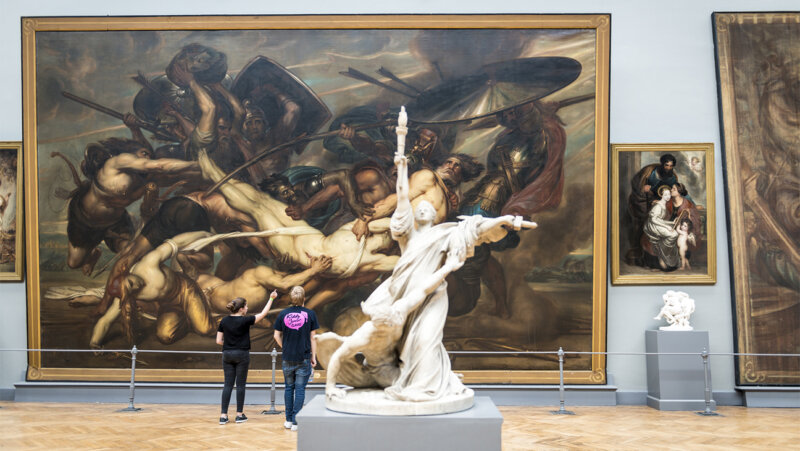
663,89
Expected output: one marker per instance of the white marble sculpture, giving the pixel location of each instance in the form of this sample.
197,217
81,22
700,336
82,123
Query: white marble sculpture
677,309
396,359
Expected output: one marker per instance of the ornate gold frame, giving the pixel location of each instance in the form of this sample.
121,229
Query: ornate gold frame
601,23
663,278
16,274
749,369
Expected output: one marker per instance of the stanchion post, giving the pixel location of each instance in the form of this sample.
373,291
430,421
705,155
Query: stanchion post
707,412
561,410
131,407
272,410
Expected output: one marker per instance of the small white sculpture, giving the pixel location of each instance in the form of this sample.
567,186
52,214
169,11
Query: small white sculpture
678,306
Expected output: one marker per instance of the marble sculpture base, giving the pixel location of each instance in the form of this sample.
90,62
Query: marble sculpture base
374,402
477,428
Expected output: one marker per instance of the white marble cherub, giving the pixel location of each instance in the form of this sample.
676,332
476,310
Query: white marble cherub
677,309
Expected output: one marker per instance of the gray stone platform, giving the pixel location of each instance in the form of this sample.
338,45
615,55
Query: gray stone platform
676,382
774,396
478,428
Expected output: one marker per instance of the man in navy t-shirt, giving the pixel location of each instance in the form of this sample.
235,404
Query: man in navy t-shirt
294,332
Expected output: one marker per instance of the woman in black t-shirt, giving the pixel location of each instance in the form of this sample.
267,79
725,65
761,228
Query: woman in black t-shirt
233,334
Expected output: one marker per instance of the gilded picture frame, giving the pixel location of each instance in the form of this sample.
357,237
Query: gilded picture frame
579,263
756,55
11,215
641,252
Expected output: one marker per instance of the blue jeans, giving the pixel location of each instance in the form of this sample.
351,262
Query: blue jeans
295,376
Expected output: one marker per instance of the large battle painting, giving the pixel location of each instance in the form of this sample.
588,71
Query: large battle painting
155,141
759,83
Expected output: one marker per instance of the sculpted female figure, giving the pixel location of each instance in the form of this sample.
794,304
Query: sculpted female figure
402,343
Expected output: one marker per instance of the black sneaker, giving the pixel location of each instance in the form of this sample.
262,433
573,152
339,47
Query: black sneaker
223,420
241,418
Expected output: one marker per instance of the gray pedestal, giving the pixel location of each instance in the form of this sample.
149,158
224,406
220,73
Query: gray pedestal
771,396
676,382
475,428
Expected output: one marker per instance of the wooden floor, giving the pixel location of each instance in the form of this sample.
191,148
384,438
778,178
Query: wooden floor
57,426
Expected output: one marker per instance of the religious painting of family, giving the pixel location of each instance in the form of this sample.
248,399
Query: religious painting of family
11,257
759,91
178,162
663,227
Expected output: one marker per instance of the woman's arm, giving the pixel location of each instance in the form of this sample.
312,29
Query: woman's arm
264,312
219,338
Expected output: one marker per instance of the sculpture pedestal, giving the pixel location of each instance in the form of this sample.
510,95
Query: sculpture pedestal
476,428
676,382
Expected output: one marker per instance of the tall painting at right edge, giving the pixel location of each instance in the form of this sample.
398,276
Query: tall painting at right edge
758,69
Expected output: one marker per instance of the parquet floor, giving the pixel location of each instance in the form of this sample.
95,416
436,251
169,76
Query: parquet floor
57,426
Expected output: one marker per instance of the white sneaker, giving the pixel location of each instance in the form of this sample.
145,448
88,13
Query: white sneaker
287,424
294,427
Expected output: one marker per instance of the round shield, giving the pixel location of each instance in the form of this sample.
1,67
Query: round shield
261,77
493,88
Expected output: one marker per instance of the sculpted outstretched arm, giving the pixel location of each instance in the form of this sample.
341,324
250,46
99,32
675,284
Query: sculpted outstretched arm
494,229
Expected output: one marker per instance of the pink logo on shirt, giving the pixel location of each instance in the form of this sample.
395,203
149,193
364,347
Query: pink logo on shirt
295,320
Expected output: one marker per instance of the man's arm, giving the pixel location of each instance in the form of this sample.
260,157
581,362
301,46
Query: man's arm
238,194
291,115
208,109
267,277
333,190
313,349
278,336
420,182
136,132
130,162
238,109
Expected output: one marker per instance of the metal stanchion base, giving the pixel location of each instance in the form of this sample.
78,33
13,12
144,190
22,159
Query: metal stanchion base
271,412
130,409
562,412
709,414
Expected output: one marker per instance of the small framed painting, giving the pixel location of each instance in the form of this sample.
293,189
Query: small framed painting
662,214
10,214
